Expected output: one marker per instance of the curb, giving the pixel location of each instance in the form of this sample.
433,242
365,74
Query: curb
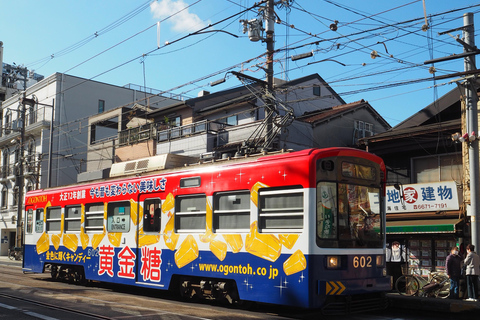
431,304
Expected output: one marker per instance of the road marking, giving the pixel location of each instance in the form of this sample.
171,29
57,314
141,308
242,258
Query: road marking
6,306
39,316
32,314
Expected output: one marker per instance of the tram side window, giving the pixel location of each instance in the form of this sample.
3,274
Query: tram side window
281,209
73,218
94,217
54,219
152,215
39,220
190,213
231,210
118,216
327,211
29,221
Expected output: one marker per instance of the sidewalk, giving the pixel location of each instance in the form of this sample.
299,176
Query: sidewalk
431,304
5,260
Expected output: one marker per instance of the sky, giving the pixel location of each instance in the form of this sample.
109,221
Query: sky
181,46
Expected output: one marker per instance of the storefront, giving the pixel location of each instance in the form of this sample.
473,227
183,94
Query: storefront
419,239
426,243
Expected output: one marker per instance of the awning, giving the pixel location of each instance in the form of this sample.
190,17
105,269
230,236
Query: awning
422,226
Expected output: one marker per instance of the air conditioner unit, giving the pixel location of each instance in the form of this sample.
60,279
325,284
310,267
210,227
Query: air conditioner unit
155,163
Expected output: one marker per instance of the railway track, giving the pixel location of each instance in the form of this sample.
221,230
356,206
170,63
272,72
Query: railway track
25,294
71,312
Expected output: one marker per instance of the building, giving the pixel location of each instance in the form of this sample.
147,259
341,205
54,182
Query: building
53,157
12,80
344,125
426,197
227,123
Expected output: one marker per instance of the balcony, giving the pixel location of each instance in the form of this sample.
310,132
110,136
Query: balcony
192,139
186,130
5,173
34,124
138,134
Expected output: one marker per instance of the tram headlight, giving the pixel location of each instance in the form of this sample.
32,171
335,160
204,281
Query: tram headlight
380,261
333,262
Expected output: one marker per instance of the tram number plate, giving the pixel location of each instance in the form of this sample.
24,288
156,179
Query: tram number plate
362,262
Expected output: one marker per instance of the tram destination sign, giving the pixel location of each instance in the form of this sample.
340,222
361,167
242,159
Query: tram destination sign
422,197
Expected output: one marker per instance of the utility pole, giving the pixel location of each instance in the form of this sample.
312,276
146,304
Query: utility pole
20,177
471,105
471,115
255,33
270,29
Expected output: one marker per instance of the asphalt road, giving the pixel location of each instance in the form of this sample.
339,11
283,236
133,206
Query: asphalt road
36,296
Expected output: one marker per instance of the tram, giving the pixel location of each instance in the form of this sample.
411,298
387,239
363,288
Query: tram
304,229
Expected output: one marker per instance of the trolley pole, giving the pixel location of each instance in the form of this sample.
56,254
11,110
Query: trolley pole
471,101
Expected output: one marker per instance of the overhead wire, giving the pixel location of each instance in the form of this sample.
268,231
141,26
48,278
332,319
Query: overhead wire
106,29
164,91
159,48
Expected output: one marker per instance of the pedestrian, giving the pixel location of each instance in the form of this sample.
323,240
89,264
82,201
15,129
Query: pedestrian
472,263
453,265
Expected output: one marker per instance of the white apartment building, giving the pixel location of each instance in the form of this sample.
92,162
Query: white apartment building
53,158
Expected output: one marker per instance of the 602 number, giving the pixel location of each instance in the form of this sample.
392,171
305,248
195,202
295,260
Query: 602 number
362,262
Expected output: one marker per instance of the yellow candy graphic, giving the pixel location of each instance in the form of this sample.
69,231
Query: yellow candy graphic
295,263
84,238
97,238
187,252
288,240
115,238
265,246
133,211
56,240
43,243
209,235
219,249
82,218
168,204
254,191
70,241
170,237
147,239
234,241
209,216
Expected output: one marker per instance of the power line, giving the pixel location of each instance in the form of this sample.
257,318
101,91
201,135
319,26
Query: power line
95,35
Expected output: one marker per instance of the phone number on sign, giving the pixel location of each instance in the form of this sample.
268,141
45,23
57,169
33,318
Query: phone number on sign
430,206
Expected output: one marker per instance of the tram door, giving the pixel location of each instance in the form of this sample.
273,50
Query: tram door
149,250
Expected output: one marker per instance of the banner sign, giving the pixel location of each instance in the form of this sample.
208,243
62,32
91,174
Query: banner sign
421,197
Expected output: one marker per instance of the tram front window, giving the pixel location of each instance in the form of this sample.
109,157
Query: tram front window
348,216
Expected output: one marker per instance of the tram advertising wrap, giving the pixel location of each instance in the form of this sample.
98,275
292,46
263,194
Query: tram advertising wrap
304,228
